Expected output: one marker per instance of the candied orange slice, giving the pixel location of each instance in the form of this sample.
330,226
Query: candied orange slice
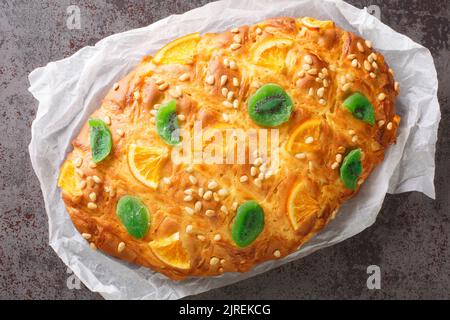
170,250
180,51
301,204
316,24
306,137
145,162
272,53
68,181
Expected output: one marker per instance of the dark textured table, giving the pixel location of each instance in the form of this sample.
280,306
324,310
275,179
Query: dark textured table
409,241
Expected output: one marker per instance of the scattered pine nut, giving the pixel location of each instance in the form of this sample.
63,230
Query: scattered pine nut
93,196
210,79
184,77
227,104
163,86
86,236
210,213
212,185
198,206
389,126
121,247
213,261
193,179
346,86
258,162
308,59
235,46
97,179
91,205
223,192
223,80
360,47
309,140
208,195
320,92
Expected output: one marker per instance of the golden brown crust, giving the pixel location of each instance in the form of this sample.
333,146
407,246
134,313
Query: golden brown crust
331,48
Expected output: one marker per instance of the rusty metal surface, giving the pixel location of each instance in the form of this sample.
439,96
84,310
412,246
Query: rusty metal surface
409,241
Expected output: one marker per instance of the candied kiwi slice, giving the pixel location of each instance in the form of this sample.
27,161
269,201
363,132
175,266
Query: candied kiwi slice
351,169
100,139
360,107
167,123
134,215
248,223
270,106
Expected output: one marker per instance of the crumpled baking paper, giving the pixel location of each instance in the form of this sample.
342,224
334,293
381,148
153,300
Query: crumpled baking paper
70,89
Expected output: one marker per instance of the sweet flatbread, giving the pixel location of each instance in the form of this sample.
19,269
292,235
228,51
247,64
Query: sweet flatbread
324,93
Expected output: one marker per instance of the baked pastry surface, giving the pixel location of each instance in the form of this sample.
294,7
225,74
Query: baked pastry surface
192,208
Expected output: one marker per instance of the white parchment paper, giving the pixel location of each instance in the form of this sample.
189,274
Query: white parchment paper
70,89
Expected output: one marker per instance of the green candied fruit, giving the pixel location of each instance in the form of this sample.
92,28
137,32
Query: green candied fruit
248,223
167,123
360,108
100,139
351,169
134,215
270,106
